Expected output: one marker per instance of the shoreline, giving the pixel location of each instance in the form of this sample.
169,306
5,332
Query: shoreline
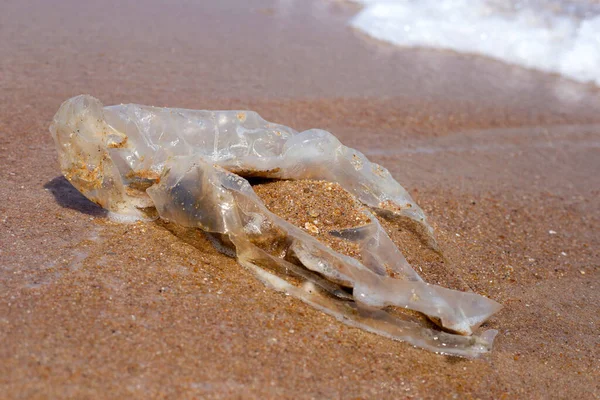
91,308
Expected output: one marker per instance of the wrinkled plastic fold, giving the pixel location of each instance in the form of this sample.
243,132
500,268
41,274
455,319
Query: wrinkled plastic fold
191,167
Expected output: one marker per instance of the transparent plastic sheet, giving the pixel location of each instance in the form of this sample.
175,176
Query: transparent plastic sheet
189,166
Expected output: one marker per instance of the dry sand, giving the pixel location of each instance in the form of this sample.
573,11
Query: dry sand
504,162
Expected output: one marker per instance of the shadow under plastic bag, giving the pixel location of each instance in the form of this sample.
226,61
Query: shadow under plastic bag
68,197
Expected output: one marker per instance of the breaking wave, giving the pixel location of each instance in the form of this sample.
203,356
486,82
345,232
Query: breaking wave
552,36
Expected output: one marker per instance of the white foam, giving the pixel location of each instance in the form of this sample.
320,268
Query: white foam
548,35
128,218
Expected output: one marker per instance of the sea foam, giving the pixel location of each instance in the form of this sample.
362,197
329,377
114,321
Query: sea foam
552,36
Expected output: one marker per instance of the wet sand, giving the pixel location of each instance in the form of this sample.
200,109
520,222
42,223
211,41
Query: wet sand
503,160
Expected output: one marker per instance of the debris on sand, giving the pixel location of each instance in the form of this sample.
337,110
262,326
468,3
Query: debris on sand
190,167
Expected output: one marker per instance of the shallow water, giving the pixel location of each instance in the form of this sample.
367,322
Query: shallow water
500,140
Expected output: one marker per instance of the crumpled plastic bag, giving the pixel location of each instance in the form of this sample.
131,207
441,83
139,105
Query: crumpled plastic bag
190,166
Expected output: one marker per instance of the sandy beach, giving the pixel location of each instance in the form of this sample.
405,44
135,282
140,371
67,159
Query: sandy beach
504,161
